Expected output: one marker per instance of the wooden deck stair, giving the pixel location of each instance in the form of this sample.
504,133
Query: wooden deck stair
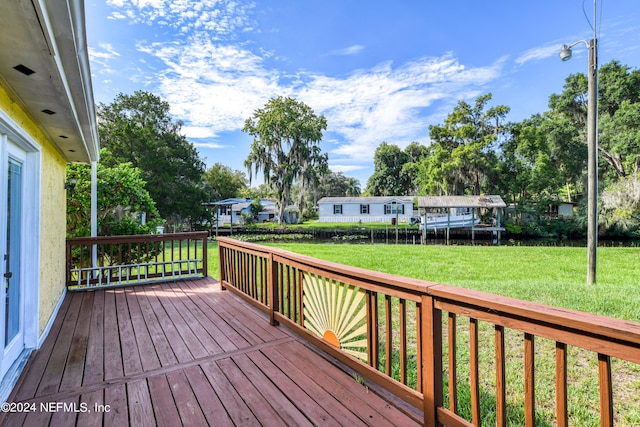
185,353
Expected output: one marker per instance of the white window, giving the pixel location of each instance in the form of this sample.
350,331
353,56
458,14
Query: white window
337,209
364,209
393,208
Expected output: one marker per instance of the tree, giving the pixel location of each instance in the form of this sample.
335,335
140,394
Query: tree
395,170
331,184
121,200
222,182
138,129
621,204
262,191
462,158
528,172
618,115
286,136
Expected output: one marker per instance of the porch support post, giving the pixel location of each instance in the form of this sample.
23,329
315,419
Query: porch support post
431,351
94,214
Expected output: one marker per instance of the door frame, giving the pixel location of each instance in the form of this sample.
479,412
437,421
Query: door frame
18,144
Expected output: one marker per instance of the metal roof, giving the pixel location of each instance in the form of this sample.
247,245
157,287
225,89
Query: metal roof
461,202
372,199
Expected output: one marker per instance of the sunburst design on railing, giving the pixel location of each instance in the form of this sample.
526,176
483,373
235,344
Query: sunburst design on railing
336,312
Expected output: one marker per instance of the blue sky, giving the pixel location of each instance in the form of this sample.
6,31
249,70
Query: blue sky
378,70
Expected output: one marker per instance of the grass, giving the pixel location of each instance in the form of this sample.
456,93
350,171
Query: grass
550,275
316,225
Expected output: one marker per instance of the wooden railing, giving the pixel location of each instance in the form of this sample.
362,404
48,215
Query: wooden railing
404,334
106,261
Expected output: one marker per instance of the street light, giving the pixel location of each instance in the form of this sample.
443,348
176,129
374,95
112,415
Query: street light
592,156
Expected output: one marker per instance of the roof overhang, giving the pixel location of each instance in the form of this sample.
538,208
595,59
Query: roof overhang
492,201
48,38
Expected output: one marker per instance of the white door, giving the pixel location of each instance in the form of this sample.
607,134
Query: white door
20,176
11,290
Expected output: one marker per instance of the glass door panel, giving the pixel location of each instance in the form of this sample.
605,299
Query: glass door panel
13,327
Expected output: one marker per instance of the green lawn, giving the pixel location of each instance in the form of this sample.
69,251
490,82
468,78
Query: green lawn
549,275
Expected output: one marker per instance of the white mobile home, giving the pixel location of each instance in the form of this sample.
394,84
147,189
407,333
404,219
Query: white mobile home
365,209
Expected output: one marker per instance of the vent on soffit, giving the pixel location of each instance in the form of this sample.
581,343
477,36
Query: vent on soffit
24,69
49,112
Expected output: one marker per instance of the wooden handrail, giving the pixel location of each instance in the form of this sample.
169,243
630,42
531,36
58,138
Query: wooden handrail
317,299
108,261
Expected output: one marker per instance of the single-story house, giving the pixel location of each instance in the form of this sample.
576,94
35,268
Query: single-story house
366,209
47,120
231,211
562,210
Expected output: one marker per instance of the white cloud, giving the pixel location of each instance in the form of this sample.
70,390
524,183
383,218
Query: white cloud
222,17
351,50
387,104
214,83
539,53
346,168
213,145
106,52
214,87
117,16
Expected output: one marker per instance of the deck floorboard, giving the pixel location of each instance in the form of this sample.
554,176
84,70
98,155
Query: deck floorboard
184,353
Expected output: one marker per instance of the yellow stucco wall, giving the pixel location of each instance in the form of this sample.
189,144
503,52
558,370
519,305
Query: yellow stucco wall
53,208
53,230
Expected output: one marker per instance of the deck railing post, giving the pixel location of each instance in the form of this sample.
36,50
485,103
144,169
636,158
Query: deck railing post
205,267
222,261
431,351
69,264
273,290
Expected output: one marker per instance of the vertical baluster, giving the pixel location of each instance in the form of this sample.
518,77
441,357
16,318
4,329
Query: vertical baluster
453,362
300,317
246,273
529,381
562,413
294,294
222,251
606,394
501,394
254,276
473,368
279,291
265,289
156,250
274,275
173,258
240,271
111,271
237,258
188,249
290,275
388,335
372,326
403,341
419,346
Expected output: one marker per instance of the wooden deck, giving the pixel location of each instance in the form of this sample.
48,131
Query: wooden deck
184,353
